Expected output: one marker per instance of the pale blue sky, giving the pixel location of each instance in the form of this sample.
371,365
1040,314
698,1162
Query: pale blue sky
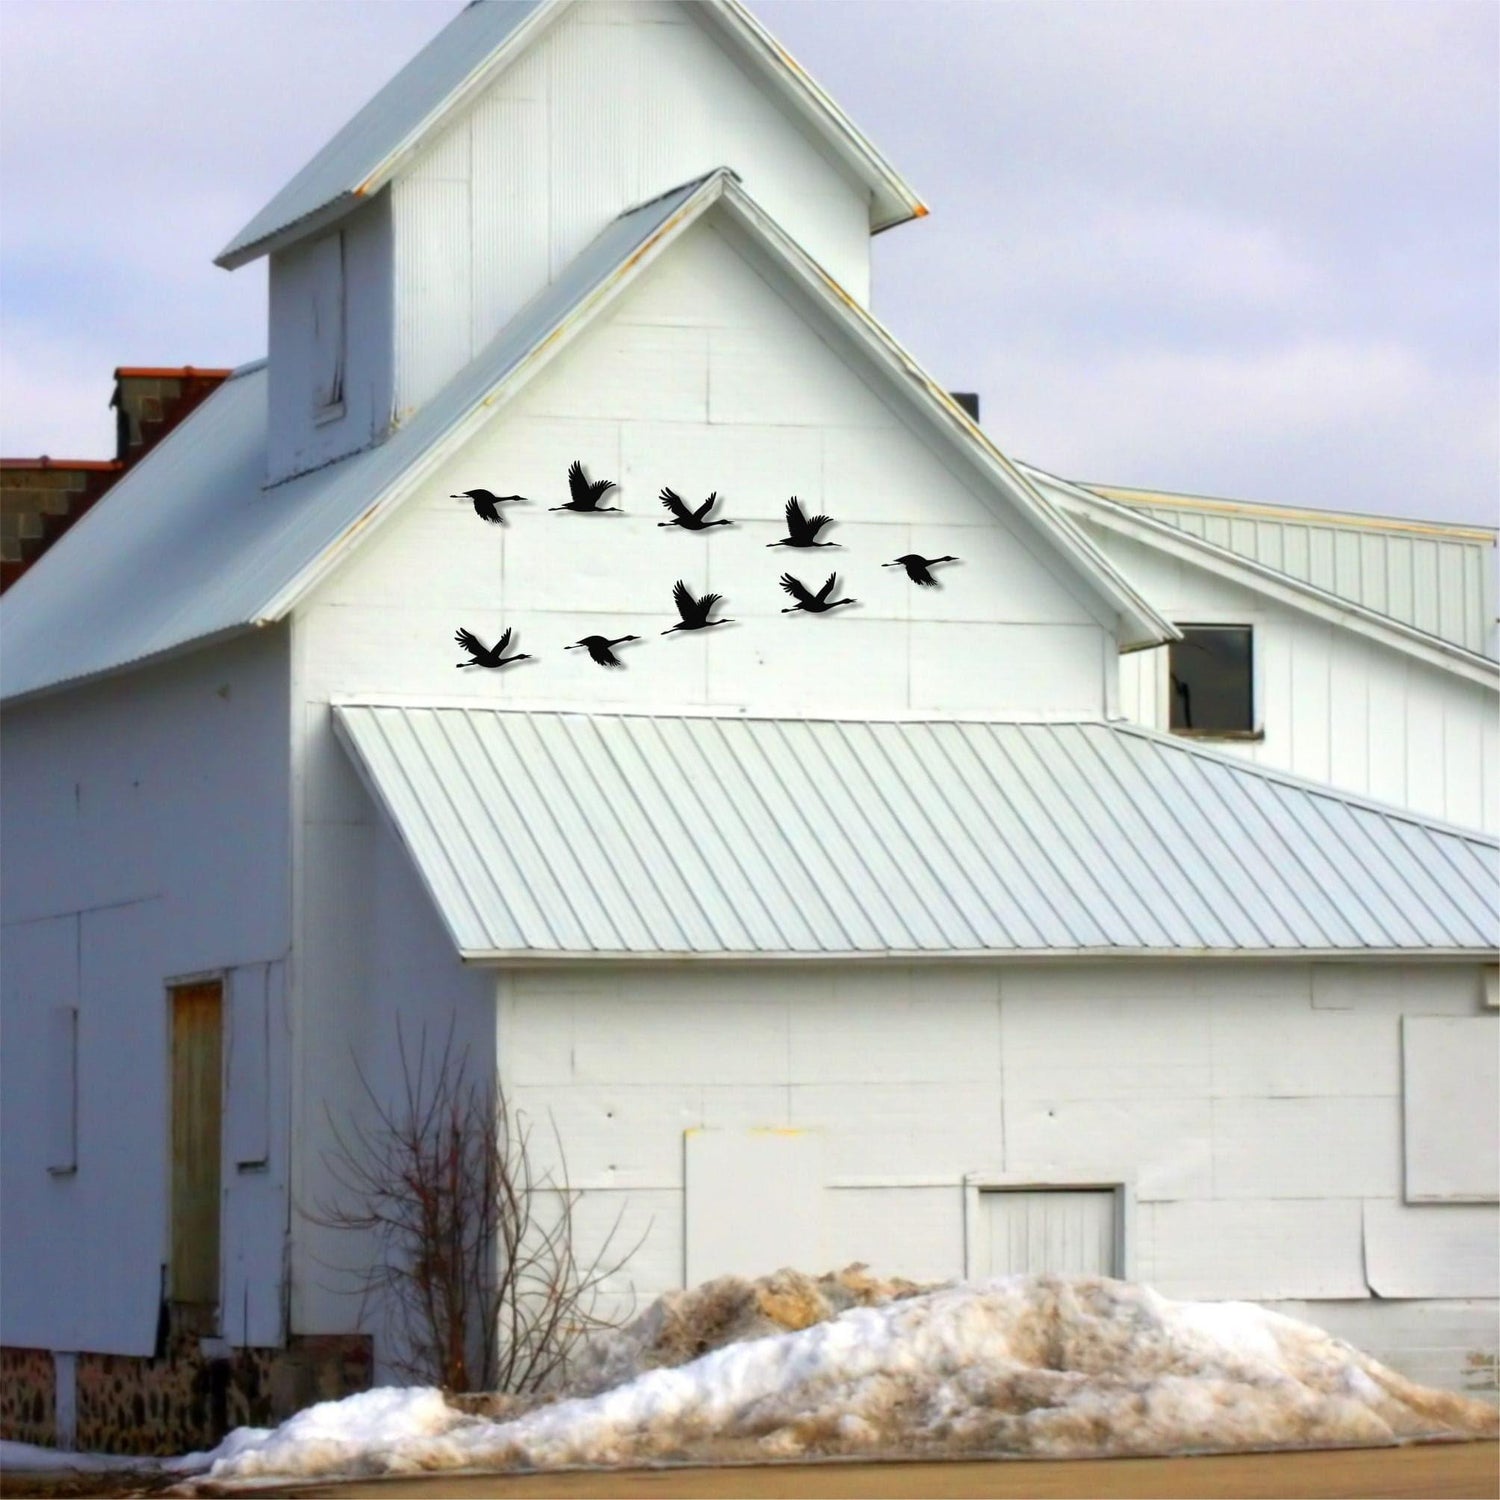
1244,249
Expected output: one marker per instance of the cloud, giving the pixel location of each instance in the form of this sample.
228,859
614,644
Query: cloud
1141,208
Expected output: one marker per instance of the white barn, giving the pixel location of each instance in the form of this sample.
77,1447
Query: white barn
884,934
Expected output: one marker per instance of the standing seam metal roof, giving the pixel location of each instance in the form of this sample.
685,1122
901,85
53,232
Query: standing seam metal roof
573,834
1432,577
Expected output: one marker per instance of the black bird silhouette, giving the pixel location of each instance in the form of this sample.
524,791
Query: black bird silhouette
694,612
586,494
916,567
485,502
689,520
801,529
814,604
598,647
483,657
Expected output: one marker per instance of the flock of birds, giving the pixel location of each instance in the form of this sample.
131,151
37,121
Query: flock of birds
694,611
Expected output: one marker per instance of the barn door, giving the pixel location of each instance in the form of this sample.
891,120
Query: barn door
197,1130
1071,1232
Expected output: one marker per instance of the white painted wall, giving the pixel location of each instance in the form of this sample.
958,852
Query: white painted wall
619,101
1334,706
704,377
302,434
144,840
1254,1108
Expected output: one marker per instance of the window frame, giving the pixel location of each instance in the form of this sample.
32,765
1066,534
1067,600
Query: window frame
1217,620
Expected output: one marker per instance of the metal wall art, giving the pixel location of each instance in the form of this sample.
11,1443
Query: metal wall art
694,611
482,655
601,649
814,604
485,502
690,520
916,567
586,494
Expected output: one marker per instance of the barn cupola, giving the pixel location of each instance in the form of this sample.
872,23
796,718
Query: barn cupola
484,168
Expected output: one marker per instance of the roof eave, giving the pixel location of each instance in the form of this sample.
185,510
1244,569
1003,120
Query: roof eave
538,957
1140,625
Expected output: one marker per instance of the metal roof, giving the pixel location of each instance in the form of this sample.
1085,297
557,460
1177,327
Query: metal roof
555,834
1139,524
1434,577
222,553
464,58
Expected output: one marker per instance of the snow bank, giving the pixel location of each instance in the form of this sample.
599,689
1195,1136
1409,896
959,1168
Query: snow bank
1045,1366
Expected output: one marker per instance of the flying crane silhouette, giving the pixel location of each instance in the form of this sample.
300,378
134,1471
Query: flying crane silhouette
689,520
483,656
814,604
599,648
802,529
916,567
485,502
586,494
694,612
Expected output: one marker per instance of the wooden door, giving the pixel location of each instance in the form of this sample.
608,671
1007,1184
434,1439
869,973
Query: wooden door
197,1132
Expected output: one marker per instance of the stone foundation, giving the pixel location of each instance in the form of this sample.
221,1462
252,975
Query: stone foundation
183,1401
28,1397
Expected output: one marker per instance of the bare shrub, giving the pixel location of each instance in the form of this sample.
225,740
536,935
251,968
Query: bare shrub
474,1249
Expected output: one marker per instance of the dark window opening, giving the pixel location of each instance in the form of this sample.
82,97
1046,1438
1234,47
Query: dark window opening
1210,672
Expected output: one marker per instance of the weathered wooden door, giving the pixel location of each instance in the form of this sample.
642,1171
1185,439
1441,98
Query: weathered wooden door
197,1130
1065,1231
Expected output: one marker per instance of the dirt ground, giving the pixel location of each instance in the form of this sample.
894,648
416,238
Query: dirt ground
1427,1472
1434,1471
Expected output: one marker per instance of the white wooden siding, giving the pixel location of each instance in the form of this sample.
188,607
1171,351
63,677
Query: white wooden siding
1450,1071
616,103
329,327
1333,705
651,396
131,807
1257,1126
753,1199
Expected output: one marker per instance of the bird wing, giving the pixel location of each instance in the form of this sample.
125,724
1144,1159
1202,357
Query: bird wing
598,648
470,642
599,488
827,588
502,643
795,588
816,523
706,605
795,520
674,502
707,506
578,486
682,597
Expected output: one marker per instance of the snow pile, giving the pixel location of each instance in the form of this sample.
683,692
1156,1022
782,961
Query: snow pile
1039,1365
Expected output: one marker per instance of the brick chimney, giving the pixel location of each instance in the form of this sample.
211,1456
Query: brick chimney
41,497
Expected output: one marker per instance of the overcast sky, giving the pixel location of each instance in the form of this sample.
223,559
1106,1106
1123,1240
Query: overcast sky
1241,249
